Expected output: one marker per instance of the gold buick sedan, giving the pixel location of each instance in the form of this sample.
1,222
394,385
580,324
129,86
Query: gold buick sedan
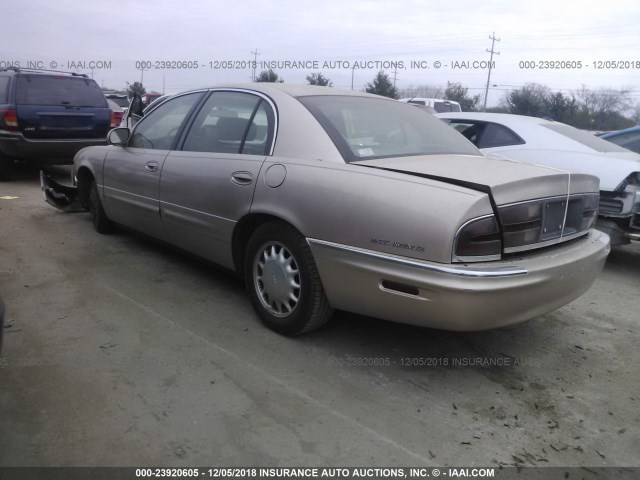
329,199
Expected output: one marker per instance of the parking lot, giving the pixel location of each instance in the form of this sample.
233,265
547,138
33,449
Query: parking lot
121,352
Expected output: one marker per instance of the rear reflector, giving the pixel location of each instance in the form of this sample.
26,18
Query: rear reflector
112,119
400,287
9,120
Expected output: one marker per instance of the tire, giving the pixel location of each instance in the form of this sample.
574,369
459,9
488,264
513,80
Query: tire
6,168
101,223
282,280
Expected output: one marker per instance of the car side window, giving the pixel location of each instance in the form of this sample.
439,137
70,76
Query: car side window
498,136
231,122
471,131
159,130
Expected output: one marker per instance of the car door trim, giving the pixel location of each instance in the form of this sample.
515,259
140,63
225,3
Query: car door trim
199,212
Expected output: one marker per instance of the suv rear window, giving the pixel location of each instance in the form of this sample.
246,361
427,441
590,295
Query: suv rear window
442,107
122,101
4,90
59,90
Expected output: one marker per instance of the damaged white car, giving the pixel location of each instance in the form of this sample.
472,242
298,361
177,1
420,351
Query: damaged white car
554,144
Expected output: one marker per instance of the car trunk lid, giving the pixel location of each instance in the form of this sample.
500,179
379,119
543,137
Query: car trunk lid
507,181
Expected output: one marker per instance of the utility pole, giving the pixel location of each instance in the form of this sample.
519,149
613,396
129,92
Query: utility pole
353,69
486,90
395,72
255,63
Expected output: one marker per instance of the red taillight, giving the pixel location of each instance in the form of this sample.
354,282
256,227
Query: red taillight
112,119
116,119
478,240
9,120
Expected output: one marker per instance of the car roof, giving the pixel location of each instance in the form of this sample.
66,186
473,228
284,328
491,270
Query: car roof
505,118
291,89
30,71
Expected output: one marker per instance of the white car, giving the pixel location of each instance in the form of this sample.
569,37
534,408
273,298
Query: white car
553,144
438,104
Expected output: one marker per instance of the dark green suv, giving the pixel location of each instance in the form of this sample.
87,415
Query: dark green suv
46,117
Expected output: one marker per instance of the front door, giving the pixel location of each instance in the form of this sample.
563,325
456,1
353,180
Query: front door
131,178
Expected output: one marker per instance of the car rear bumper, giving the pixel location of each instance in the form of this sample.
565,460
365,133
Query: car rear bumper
60,196
54,152
459,297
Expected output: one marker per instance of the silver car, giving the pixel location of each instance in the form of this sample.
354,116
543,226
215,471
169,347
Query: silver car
327,199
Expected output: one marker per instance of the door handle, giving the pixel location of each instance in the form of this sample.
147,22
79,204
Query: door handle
242,178
152,166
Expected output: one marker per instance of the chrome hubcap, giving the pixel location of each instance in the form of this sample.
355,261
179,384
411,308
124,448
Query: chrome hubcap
277,279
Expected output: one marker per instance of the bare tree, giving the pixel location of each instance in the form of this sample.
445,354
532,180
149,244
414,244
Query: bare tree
602,108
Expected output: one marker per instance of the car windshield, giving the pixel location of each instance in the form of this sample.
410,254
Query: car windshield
585,138
442,107
364,128
59,90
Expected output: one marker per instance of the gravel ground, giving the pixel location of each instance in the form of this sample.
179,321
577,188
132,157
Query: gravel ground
121,352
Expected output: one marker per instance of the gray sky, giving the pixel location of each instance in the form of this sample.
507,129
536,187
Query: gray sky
120,33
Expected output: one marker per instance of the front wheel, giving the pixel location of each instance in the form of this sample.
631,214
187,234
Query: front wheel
282,280
101,223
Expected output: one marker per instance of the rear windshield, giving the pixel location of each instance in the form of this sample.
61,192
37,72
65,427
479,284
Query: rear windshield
4,90
121,101
366,128
442,107
585,138
59,90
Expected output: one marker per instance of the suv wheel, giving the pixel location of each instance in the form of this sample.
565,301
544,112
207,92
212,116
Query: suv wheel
6,168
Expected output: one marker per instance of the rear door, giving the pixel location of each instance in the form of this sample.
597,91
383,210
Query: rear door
61,107
208,185
131,174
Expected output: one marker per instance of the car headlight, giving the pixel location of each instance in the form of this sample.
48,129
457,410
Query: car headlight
628,193
633,181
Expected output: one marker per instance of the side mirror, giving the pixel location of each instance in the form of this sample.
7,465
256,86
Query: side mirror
118,136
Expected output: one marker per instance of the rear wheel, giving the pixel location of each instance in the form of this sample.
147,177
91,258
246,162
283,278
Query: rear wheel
6,168
282,280
101,223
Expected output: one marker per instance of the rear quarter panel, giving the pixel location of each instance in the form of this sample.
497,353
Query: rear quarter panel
362,207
